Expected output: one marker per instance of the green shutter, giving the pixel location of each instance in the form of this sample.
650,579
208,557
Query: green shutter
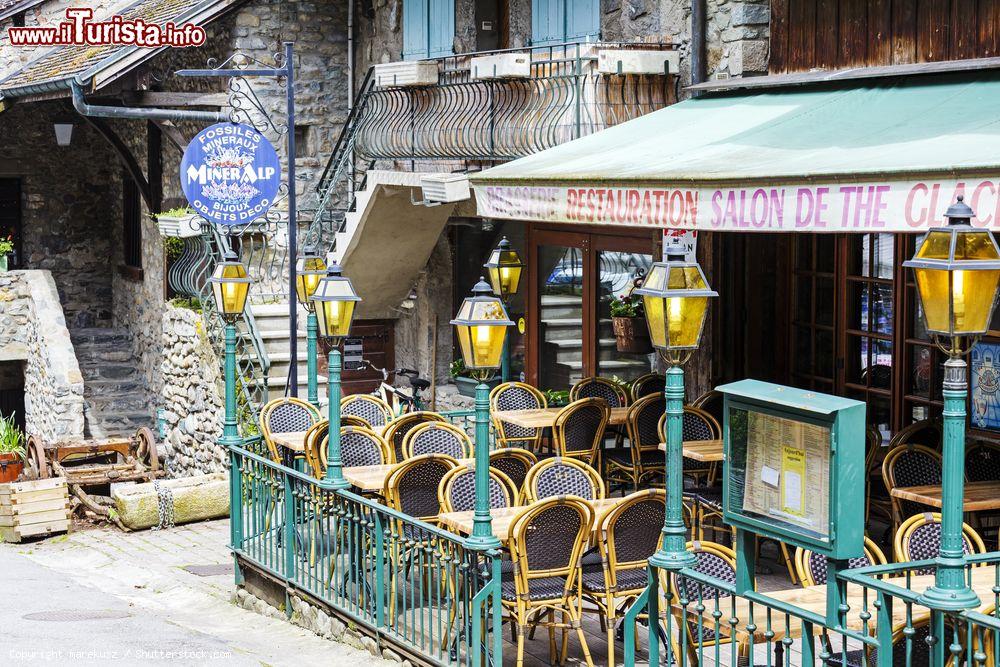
583,20
415,37
548,22
441,28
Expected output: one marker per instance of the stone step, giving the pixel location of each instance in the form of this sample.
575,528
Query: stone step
100,336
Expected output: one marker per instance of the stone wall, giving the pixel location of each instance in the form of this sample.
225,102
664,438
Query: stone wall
32,324
191,396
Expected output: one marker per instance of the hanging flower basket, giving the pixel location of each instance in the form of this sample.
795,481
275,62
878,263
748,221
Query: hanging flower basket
631,335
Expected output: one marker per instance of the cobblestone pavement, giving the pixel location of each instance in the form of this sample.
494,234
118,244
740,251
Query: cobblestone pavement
155,611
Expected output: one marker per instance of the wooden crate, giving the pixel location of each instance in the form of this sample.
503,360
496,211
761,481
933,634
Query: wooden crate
33,509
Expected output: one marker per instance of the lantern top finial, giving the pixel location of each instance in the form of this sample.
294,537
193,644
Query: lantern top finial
309,251
675,250
960,213
482,288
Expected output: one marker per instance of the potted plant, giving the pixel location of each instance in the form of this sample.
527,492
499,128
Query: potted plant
12,453
628,320
178,223
466,384
6,247
557,398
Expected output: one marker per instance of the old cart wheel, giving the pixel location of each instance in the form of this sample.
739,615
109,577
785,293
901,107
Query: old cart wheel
36,456
146,448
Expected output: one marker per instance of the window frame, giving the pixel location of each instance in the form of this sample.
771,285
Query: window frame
427,48
564,18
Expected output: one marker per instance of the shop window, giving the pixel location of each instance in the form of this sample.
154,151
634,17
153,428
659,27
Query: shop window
814,313
562,21
428,29
131,223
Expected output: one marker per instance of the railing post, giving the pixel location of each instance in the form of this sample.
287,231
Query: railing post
673,554
950,591
482,527
235,511
379,592
334,464
577,95
289,530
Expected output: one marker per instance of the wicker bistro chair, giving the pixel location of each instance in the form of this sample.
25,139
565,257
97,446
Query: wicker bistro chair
643,458
909,465
644,385
457,491
926,432
547,540
596,387
982,462
630,534
560,476
359,446
285,415
372,409
712,402
919,538
516,396
315,447
514,462
437,438
395,433
578,430
812,567
877,498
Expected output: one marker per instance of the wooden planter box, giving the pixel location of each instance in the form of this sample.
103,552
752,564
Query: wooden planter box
34,509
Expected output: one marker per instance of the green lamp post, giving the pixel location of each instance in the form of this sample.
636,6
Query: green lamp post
504,268
675,295
230,287
481,328
957,270
309,270
335,300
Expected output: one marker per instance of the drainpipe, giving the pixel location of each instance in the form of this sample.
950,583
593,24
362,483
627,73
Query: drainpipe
174,115
350,79
697,41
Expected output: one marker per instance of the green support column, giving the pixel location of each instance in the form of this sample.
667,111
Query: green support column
334,465
482,524
950,591
313,389
230,430
673,554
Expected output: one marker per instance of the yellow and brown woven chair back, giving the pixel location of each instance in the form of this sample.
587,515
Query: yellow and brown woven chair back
362,447
982,462
285,415
372,409
315,447
578,430
712,402
513,462
645,385
516,396
811,567
395,433
457,492
597,387
630,535
919,538
546,542
437,438
561,476
412,486
909,465
697,424
926,432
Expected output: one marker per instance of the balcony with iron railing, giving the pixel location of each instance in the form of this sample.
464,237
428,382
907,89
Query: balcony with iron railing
470,111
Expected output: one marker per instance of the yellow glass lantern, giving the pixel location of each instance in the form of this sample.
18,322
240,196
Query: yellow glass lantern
310,269
335,300
230,286
957,271
481,326
504,268
675,297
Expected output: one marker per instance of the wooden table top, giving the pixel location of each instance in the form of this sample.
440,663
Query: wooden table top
546,417
461,522
706,451
813,598
372,478
296,440
979,496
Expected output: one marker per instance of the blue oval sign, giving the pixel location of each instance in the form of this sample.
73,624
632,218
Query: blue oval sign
230,174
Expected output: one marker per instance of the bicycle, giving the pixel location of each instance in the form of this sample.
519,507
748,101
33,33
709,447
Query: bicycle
397,398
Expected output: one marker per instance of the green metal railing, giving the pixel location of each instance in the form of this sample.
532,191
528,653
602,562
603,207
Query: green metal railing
403,580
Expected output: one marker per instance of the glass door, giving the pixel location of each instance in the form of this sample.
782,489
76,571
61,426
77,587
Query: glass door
620,262
560,262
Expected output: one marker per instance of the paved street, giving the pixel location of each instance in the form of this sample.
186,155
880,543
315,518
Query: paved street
100,597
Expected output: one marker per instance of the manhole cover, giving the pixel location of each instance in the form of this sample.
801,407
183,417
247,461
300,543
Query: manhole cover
66,615
210,570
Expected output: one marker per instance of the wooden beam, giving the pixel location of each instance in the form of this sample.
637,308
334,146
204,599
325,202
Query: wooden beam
149,98
125,155
173,133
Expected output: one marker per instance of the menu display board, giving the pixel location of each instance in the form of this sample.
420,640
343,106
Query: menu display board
787,471
794,466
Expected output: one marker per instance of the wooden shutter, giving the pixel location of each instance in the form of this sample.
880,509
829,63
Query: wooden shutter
583,20
441,28
415,29
548,22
